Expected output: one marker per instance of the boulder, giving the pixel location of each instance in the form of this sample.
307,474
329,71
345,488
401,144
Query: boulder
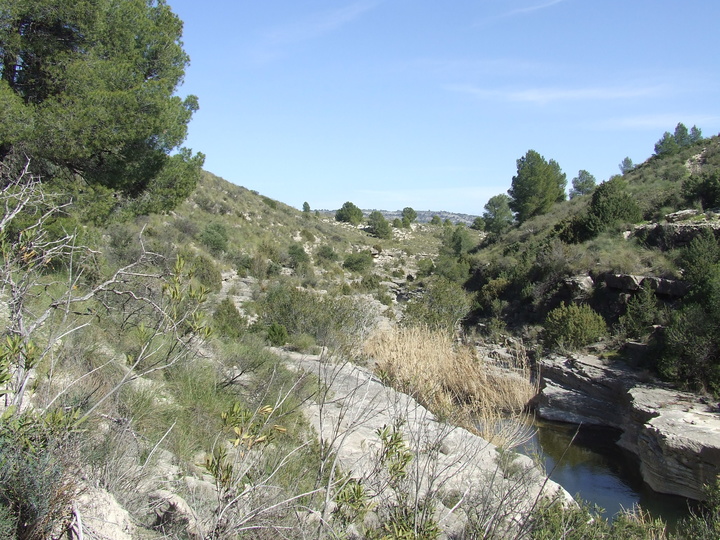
623,282
681,215
672,288
99,515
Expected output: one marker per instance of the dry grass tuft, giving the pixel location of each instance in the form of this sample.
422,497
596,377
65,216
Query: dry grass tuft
454,382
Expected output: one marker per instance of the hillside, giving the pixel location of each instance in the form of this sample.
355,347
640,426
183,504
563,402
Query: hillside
140,349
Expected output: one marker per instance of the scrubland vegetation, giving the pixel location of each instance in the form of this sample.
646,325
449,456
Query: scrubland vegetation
150,307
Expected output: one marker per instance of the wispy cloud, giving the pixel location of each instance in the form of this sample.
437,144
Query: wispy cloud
274,41
544,96
521,11
531,9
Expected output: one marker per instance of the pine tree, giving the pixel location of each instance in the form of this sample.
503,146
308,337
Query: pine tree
537,186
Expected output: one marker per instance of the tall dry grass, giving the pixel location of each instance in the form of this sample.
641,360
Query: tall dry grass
455,382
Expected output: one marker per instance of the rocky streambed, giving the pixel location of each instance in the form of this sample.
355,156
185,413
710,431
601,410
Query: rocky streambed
675,435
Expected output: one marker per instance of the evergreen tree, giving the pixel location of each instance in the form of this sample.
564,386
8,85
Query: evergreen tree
666,145
682,135
498,215
626,165
537,186
379,226
349,213
409,214
695,134
582,184
306,208
87,89
478,224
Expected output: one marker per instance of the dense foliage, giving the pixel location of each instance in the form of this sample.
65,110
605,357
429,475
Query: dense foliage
378,225
349,213
611,205
573,326
537,186
87,89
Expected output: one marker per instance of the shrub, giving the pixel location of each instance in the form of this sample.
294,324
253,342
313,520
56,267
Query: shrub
331,320
379,226
270,202
573,326
611,205
277,334
443,305
227,320
297,255
643,310
206,272
358,262
425,267
308,236
215,238
36,485
327,253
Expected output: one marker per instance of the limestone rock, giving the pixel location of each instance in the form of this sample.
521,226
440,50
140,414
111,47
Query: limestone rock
445,457
102,517
623,282
675,435
667,287
681,215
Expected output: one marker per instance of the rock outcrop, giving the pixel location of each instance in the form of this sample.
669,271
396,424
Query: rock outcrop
674,235
448,460
675,435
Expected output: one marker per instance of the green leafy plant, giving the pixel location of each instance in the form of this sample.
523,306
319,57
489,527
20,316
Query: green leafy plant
573,326
358,262
227,320
277,334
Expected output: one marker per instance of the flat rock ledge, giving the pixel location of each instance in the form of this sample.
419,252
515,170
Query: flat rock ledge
674,434
463,466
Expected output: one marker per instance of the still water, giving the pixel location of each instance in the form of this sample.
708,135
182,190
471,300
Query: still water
598,470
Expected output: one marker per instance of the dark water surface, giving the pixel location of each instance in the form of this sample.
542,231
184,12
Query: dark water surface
598,470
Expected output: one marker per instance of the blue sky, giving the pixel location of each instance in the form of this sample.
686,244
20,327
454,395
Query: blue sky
422,103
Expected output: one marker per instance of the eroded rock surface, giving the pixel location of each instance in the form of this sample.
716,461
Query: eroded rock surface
463,464
675,435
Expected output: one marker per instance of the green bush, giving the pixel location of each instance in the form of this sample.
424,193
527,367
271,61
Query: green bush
270,202
330,320
610,206
327,253
206,272
308,236
425,267
277,334
36,483
298,256
358,262
690,343
379,226
442,305
349,213
573,326
215,238
227,320
643,311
